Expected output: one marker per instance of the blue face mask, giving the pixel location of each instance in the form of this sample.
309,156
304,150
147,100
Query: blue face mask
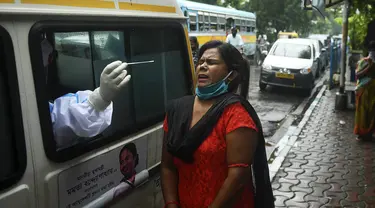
213,90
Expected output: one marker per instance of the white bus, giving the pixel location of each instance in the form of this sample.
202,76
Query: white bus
82,37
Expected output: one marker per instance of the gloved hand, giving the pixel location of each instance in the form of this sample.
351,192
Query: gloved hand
113,78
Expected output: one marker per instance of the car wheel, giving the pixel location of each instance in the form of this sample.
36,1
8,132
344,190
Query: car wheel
262,86
307,92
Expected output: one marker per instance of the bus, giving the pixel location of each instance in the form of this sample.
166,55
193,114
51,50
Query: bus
209,22
53,50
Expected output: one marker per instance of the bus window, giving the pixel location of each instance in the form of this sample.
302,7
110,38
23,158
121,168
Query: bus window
193,27
201,22
213,20
206,19
221,28
214,25
229,23
237,22
12,148
193,23
213,28
139,105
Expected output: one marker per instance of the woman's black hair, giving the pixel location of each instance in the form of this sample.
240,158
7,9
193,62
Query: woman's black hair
234,61
133,149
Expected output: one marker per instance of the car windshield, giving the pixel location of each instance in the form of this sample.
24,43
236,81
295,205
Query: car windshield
293,50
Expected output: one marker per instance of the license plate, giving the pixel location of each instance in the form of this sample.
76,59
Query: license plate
285,76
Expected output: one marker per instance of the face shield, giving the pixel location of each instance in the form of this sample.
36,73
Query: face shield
47,50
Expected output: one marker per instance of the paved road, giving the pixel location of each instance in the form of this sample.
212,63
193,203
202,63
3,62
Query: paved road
327,167
272,105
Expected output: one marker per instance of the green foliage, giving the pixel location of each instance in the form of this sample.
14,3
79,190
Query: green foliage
321,26
234,3
281,15
362,13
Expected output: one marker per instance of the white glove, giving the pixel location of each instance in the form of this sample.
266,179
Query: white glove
113,78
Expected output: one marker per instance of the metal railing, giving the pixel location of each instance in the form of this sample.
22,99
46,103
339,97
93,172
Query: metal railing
335,58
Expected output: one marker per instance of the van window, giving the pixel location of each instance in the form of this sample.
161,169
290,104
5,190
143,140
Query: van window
12,145
81,56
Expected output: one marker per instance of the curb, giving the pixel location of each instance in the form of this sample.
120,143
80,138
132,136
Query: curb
293,118
287,142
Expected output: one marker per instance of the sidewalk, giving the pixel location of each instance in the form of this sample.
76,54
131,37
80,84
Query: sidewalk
326,166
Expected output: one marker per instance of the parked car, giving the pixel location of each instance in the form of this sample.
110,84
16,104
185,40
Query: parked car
325,39
320,53
290,63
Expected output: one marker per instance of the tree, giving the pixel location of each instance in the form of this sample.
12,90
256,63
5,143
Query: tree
281,15
234,3
321,26
362,12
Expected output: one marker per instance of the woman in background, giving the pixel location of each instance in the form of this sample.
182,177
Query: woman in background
365,91
195,49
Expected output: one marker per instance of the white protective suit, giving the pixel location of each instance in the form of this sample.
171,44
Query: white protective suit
86,113
73,117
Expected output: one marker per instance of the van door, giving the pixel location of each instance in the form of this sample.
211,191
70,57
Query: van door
118,166
16,172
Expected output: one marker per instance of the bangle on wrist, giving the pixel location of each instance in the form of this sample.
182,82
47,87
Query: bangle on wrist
171,202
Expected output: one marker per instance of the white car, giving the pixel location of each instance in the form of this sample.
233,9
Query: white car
320,52
290,63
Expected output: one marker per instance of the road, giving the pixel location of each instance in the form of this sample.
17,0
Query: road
274,104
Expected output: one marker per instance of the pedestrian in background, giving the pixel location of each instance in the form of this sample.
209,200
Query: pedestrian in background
235,39
214,140
365,91
195,49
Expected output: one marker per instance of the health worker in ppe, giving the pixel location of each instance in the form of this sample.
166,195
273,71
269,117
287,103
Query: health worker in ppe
85,114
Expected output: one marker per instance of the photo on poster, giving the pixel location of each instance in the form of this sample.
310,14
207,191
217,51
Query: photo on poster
98,181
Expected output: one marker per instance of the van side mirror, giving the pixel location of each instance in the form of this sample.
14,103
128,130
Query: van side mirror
324,50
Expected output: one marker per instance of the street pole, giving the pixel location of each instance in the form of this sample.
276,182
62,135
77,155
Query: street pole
341,96
345,25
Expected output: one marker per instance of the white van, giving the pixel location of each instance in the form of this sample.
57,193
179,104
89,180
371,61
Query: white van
84,36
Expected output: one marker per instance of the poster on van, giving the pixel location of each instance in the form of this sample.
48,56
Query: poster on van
96,182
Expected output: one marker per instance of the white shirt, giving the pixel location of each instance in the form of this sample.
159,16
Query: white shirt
235,41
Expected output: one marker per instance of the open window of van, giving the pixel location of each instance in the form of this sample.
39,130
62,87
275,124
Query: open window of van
12,145
81,51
